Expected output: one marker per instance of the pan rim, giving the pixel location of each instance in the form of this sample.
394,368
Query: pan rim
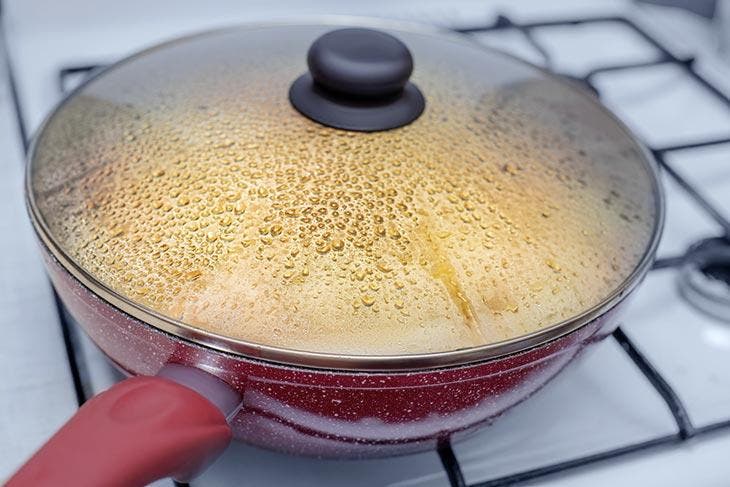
349,362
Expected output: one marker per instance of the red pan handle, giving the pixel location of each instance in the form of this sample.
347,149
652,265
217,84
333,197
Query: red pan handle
140,430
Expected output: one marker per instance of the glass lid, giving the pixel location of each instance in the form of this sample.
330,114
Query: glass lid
398,192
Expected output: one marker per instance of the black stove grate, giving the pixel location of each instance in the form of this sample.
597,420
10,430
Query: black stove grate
685,428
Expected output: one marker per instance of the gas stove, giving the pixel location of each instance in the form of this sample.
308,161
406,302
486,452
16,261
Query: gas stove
651,406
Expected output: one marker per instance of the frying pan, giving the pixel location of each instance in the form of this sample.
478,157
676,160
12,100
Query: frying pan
192,388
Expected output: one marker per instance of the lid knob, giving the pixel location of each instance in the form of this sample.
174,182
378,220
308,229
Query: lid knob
358,80
360,62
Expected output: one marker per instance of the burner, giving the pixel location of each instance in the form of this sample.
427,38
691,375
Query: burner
705,277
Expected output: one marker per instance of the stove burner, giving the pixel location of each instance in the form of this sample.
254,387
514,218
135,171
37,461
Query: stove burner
704,280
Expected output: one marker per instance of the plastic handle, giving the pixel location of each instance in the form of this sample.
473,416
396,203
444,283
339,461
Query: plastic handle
138,431
358,80
360,62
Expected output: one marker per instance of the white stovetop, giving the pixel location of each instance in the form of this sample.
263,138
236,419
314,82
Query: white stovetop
602,403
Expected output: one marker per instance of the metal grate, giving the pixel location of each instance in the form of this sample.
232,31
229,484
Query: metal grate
685,428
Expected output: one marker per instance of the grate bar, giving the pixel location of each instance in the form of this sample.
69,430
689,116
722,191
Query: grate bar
540,472
687,64
668,262
25,141
693,192
528,475
503,22
714,427
64,73
627,66
693,145
450,463
527,32
674,403
68,342
14,95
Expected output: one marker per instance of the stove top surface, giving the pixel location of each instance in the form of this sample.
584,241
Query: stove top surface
620,413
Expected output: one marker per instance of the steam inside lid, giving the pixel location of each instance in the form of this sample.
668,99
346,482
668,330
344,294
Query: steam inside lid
185,181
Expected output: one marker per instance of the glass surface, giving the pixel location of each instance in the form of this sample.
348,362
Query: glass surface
184,180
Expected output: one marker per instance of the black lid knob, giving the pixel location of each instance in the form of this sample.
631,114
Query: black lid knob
360,62
358,80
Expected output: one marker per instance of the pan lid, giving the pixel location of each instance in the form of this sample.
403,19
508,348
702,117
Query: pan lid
303,191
